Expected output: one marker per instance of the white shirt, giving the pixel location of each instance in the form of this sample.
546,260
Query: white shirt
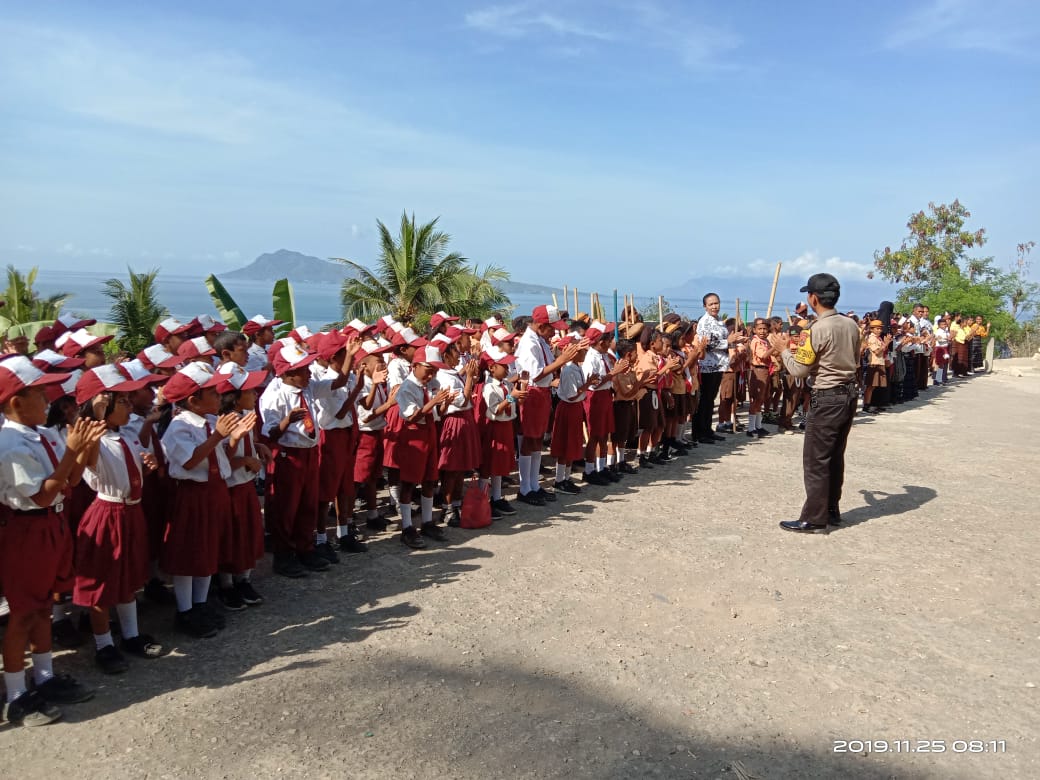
328,407
186,432
412,396
942,337
397,370
25,464
571,379
110,475
277,400
368,420
495,392
596,363
257,359
449,379
242,475
533,354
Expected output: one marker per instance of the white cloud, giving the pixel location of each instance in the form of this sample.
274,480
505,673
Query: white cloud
25,248
808,262
1006,27
234,254
523,19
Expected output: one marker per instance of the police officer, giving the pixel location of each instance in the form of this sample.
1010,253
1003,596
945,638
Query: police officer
828,358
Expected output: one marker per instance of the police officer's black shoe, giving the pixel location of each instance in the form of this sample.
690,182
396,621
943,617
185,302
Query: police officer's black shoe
833,517
802,527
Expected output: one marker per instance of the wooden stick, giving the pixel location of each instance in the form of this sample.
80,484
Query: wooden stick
566,300
592,304
615,310
772,295
788,312
575,312
660,309
739,320
555,302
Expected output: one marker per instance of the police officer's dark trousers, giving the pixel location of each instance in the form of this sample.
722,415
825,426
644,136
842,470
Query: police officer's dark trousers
823,451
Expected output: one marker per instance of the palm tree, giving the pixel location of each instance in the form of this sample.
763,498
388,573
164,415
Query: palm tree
23,304
415,275
135,309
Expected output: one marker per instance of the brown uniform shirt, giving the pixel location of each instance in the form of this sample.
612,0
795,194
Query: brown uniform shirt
829,354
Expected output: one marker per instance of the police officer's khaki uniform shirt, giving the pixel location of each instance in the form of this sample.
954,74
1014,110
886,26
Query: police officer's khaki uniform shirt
829,356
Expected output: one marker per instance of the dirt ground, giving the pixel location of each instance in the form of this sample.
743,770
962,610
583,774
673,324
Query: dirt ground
662,628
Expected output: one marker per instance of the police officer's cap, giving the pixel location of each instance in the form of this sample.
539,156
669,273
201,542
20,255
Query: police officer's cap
821,283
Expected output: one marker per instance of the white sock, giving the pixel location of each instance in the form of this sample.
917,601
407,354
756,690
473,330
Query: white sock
199,590
533,474
496,488
225,580
43,670
601,463
406,515
611,459
426,505
562,472
619,453
525,470
104,640
14,682
128,619
342,530
395,495
321,538
590,465
182,592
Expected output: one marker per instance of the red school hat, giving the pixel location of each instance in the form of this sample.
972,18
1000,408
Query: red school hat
189,380
329,344
80,341
288,357
49,360
210,325
430,356
258,323
195,348
440,318
232,376
108,378
157,356
171,327
548,315
496,355
17,373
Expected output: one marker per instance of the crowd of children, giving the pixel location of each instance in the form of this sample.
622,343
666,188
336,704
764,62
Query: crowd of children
170,472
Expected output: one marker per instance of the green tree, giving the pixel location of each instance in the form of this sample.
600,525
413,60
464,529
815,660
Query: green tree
415,275
135,309
1023,294
937,241
23,304
954,291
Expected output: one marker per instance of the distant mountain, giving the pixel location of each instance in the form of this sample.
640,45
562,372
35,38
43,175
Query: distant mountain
523,288
294,266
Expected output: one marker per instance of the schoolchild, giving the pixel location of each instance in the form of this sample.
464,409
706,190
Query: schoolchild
498,448
459,448
373,403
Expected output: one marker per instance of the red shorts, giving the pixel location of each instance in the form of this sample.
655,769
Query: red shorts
156,496
391,434
568,436
292,514
498,449
35,559
417,453
243,545
336,469
199,518
534,412
459,443
111,559
368,460
599,412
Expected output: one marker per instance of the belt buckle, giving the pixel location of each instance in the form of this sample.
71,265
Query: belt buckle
58,508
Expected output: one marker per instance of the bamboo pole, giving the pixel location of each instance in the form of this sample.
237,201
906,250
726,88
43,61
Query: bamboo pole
739,320
566,300
788,312
575,312
615,308
772,295
660,309
556,303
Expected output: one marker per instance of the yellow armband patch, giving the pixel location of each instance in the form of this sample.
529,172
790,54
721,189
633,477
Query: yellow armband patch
806,355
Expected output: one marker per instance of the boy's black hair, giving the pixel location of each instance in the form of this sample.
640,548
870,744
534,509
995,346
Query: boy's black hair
227,340
86,409
55,413
520,323
624,347
776,320
229,401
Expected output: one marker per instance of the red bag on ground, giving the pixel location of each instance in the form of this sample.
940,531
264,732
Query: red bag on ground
476,506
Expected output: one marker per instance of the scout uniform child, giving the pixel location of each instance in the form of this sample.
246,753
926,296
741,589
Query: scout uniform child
599,403
761,356
652,366
243,546
200,511
287,412
568,437
335,417
627,387
417,402
497,437
728,387
35,544
111,550
673,389
459,448
877,371
537,367
373,404
260,331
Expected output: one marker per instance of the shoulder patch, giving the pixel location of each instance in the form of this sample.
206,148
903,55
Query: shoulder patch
806,355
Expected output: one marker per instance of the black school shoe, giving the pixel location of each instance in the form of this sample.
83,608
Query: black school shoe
288,565
312,560
410,538
503,507
248,593
194,624
546,495
644,463
142,646
351,543
625,468
63,689
156,592
209,613
612,474
433,531
231,599
802,527
495,513
65,634
453,517
533,498
110,661
325,551
567,487
30,709
597,478
376,524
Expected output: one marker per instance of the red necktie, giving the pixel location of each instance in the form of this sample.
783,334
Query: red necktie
132,471
308,421
50,454
248,445
214,466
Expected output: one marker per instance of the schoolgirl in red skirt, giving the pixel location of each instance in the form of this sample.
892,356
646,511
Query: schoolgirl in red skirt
200,513
373,404
568,434
417,399
459,442
111,558
243,545
498,439
599,404
404,342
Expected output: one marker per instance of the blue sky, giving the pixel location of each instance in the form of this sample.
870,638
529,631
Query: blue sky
640,141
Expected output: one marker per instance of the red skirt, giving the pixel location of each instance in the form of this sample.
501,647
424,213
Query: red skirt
599,411
35,559
368,460
336,464
391,434
941,356
200,515
459,443
243,545
417,453
498,449
156,495
77,501
111,560
568,438
535,411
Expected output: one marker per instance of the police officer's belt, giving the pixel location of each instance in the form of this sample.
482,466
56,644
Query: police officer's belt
844,389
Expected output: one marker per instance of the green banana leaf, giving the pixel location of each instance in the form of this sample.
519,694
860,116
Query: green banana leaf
226,306
27,329
284,305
